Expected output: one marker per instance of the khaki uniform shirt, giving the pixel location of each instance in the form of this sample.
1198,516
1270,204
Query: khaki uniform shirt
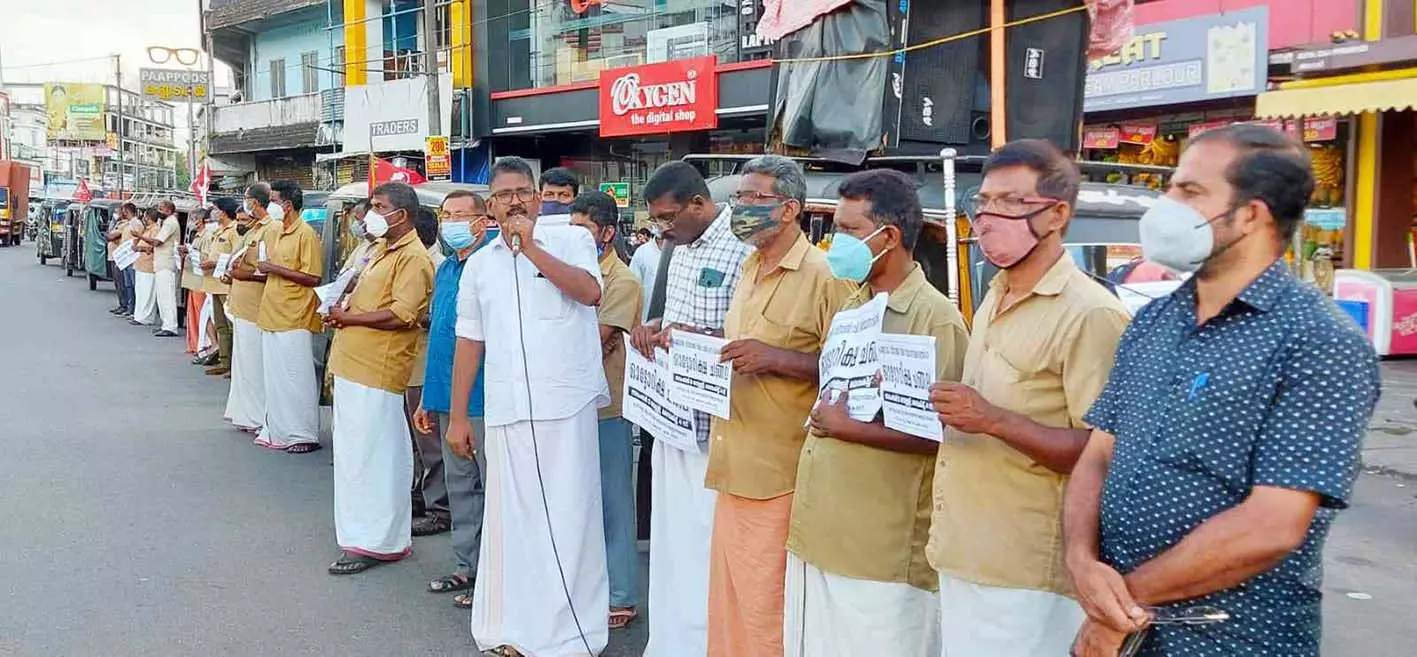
399,278
864,512
620,306
997,514
754,453
190,280
145,260
286,306
244,301
170,233
224,242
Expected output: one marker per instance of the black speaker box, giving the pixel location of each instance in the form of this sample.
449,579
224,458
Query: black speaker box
1047,62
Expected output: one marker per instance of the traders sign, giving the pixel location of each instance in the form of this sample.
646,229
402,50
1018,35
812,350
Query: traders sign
674,96
1183,61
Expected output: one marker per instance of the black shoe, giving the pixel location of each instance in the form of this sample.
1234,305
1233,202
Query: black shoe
115,311
164,334
135,322
430,526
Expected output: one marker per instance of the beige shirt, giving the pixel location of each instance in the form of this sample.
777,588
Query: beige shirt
399,278
190,279
244,302
997,514
754,453
863,512
145,260
165,256
620,305
224,242
286,306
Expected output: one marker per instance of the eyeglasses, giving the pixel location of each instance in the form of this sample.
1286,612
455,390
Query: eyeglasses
750,197
1010,207
525,195
163,55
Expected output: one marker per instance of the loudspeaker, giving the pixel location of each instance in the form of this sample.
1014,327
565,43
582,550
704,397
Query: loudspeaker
1047,62
939,85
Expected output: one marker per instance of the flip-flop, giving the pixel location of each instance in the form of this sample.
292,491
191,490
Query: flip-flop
302,448
450,583
463,601
350,563
620,618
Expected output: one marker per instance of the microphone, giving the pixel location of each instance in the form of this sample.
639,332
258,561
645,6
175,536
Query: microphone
516,244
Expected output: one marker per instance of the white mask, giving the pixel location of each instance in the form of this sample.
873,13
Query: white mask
375,224
1176,236
276,211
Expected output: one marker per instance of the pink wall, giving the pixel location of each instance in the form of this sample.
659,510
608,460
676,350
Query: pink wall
1291,22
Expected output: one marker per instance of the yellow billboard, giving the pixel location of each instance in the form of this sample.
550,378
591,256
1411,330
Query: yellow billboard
75,111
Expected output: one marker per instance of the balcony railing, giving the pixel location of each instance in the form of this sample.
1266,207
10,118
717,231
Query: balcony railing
267,113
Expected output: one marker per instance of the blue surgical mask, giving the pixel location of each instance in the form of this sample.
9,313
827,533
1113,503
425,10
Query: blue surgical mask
356,228
554,207
850,258
456,235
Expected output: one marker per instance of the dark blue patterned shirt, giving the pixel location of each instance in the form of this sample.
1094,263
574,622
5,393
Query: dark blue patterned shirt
1276,390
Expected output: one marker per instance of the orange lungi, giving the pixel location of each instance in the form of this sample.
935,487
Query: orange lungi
747,569
195,300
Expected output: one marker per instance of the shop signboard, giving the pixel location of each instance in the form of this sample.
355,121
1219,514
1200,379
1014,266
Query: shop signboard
438,160
1183,61
749,43
1320,129
1138,133
1101,138
677,96
1352,55
393,115
620,191
175,84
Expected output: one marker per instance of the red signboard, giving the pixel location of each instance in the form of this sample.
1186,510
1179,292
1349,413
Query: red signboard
674,96
1320,129
1138,133
1198,128
1101,138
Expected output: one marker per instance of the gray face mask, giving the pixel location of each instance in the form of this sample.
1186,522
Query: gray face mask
1176,236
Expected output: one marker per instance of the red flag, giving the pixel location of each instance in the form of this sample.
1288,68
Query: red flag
202,182
382,171
82,194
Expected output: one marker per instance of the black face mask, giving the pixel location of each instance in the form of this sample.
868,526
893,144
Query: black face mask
241,229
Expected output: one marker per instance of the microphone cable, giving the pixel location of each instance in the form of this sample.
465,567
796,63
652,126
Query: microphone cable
536,450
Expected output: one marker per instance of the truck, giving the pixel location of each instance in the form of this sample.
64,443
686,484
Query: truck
14,201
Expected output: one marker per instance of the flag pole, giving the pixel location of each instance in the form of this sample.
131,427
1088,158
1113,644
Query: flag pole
997,73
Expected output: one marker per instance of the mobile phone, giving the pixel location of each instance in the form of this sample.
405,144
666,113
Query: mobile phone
1132,646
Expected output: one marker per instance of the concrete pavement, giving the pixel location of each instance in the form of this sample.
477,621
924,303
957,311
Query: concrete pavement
133,522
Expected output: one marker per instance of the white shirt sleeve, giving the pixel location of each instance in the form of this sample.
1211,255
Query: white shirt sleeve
578,250
469,307
168,230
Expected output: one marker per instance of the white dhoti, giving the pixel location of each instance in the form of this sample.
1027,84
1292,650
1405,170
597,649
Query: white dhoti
246,400
373,465
292,398
1003,622
165,297
519,599
681,531
205,338
144,303
826,615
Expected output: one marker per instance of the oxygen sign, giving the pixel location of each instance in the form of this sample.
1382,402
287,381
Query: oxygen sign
673,96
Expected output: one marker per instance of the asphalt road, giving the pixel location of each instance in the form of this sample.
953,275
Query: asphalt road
134,522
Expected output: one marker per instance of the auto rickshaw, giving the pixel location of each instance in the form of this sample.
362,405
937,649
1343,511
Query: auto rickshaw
74,229
99,216
1102,236
49,239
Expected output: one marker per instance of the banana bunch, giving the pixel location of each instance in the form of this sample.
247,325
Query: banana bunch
1160,152
1328,176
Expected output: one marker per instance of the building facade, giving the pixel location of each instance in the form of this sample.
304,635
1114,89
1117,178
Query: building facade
144,128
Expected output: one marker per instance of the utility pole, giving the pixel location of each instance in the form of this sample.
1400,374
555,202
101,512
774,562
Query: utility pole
430,68
118,75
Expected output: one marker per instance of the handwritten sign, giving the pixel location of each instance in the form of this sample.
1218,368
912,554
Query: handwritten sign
907,371
848,362
124,256
698,380
649,404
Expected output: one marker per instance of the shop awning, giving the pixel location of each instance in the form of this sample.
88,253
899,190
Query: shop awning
1338,100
